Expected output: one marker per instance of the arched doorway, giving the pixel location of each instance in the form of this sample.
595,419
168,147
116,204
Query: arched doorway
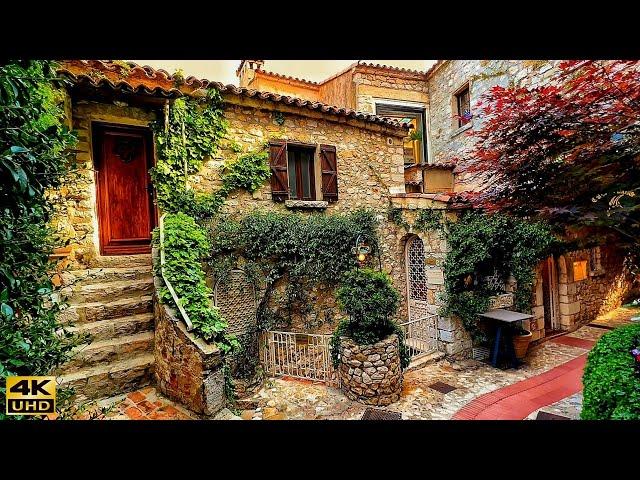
421,330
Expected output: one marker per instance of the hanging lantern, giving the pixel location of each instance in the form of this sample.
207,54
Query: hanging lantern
361,250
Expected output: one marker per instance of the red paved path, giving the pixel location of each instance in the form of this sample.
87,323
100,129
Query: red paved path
517,401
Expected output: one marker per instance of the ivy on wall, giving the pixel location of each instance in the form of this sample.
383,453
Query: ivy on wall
35,154
185,244
308,251
483,245
190,132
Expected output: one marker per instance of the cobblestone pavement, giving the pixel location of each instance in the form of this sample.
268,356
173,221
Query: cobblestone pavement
289,398
618,317
569,407
297,399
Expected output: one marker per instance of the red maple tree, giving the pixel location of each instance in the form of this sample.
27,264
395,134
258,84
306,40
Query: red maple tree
568,151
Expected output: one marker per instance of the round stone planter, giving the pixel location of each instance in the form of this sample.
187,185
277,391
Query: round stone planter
371,374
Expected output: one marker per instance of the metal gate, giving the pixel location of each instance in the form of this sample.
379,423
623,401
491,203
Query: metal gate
421,330
300,355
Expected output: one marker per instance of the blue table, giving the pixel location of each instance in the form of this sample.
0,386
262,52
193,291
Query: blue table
504,319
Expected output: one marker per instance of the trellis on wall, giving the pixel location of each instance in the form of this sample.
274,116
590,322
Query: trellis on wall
235,296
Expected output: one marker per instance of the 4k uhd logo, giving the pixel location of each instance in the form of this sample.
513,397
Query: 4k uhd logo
31,395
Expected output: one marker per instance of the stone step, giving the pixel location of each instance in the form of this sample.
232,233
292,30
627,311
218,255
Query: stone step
424,360
120,261
109,291
109,351
116,327
73,278
110,379
98,311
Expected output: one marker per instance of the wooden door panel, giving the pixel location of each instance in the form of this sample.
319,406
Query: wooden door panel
125,209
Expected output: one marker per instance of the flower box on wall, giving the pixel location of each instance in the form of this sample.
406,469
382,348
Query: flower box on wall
504,300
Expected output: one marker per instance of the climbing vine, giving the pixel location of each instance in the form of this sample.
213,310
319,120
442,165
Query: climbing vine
305,252
35,155
482,245
190,132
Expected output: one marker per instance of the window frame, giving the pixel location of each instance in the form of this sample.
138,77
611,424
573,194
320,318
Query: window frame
414,108
298,174
457,124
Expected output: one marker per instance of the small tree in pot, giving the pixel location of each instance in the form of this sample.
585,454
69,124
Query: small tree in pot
368,348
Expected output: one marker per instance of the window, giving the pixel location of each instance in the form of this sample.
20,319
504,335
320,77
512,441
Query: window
415,144
579,270
463,106
303,172
595,261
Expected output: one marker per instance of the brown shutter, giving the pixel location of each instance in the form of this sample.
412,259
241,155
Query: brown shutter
278,164
329,166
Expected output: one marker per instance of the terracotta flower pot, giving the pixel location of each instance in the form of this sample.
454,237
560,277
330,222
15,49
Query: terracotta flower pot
521,344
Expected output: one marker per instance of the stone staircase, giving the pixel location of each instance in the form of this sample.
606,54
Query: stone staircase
112,302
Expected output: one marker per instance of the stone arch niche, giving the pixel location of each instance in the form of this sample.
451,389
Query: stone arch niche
235,296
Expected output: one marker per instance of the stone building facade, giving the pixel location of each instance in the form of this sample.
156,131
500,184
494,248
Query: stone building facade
356,113
437,92
112,294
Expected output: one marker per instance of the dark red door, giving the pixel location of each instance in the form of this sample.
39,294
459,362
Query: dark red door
126,214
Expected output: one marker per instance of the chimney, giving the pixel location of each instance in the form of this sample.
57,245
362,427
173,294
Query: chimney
245,71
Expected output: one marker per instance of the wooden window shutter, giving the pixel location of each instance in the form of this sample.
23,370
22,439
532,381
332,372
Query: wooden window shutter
329,167
279,177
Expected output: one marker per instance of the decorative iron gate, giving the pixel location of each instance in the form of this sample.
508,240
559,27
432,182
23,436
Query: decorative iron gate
421,330
300,355
421,335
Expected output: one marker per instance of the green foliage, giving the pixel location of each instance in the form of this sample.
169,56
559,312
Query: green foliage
481,245
370,300
429,220
306,251
394,214
248,172
317,247
34,146
185,244
192,133
611,387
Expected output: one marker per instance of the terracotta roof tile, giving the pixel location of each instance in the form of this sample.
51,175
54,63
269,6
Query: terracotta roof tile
134,78
287,77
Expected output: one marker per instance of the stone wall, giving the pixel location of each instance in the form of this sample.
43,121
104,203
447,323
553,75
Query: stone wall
602,291
371,83
449,141
369,164
371,374
187,369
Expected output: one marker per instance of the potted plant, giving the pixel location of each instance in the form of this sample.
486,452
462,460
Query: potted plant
368,348
521,341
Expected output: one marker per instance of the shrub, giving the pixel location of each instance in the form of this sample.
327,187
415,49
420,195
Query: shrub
370,300
611,387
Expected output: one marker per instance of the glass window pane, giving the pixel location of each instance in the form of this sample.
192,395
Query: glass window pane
291,170
305,160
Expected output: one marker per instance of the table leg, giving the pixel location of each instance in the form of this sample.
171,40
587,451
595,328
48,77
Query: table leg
511,352
496,346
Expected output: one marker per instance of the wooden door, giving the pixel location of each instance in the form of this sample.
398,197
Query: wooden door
550,294
126,213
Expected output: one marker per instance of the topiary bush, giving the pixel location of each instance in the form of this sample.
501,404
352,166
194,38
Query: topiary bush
370,300
611,386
